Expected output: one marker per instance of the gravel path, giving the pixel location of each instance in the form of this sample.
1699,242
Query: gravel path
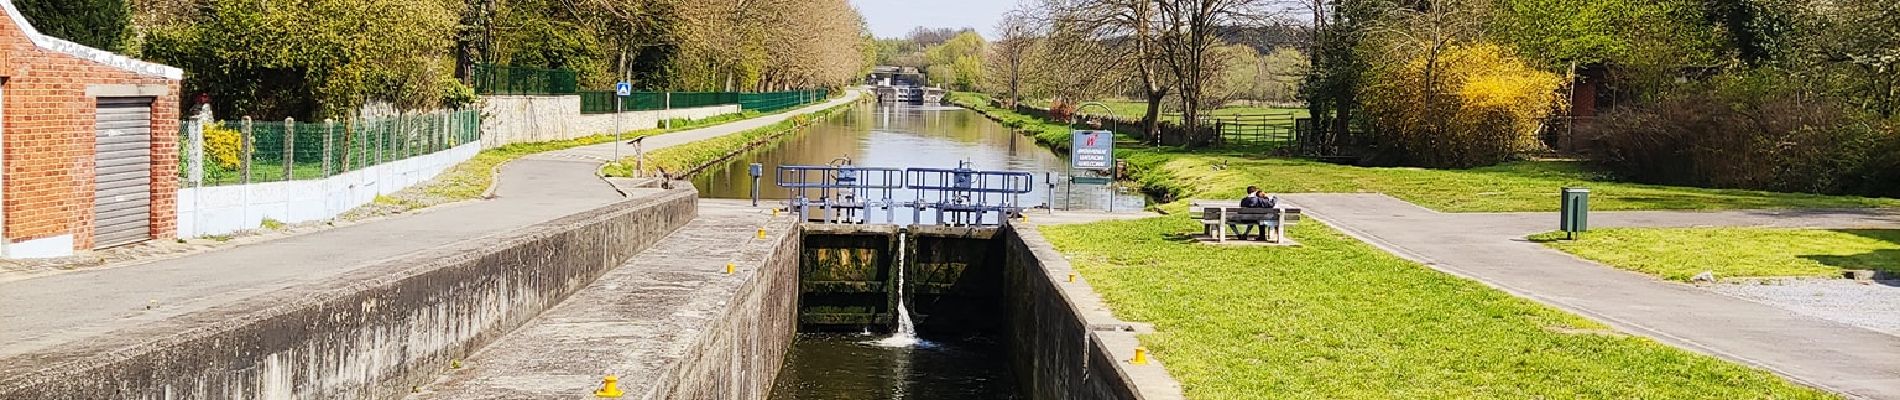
1871,305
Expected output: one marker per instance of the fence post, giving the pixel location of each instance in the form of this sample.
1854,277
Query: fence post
443,140
290,148
382,139
244,152
195,150
329,144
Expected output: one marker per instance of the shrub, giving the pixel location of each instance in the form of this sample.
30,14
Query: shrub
223,145
1748,132
1474,105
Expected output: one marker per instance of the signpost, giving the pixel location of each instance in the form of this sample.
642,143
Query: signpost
1091,150
621,91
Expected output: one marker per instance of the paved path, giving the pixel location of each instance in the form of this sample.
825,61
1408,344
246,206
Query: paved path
1490,248
40,312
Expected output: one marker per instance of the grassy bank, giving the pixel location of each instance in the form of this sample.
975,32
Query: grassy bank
1339,319
689,157
1335,318
1680,253
1520,186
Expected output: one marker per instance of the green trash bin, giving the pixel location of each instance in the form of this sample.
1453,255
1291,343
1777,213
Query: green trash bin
1575,211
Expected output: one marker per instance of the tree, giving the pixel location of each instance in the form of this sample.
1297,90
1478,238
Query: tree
1187,39
962,60
1075,62
312,58
1281,73
102,24
1127,29
1237,70
1017,37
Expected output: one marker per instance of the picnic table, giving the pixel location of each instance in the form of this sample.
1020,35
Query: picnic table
1216,215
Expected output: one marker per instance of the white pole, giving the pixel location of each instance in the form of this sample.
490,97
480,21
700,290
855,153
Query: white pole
616,126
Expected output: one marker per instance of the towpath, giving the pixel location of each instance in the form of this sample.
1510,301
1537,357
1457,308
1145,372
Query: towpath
44,311
1491,248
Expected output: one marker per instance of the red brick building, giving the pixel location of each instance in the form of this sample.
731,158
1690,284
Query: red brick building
88,145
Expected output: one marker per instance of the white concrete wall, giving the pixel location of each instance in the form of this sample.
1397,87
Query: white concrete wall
221,210
523,118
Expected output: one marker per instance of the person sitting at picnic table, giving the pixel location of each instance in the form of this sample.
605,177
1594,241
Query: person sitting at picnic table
1253,200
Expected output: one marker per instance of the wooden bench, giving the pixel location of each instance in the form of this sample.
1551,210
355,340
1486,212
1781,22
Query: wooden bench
1216,218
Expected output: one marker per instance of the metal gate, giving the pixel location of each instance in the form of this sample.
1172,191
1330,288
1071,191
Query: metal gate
122,194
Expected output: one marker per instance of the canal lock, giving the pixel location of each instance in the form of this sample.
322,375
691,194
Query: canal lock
851,281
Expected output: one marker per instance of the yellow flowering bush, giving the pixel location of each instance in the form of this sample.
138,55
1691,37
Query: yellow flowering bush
223,145
1473,105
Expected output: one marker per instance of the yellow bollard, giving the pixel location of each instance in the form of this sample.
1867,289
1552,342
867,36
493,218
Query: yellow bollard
455,364
1141,356
774,212
729,268
1071,277
761,232
609,387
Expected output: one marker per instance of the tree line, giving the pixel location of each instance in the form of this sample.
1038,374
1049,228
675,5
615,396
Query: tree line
1790,95
325,58
1188,56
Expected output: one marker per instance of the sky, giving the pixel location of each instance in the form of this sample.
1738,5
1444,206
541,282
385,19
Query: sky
895,18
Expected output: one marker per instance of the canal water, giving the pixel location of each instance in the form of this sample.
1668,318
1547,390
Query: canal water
902,136
942,365
857,367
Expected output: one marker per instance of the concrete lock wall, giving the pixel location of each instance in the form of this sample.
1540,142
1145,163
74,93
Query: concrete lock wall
739,354
372,333
526,118
1006,280
1054,351
219,210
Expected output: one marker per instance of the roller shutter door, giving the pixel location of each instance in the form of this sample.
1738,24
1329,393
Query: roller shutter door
122,196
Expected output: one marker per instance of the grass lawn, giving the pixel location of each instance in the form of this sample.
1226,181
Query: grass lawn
1339,319
1520,186
1680,253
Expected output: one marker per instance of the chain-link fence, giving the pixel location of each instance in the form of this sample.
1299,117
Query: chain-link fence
602,102
246,151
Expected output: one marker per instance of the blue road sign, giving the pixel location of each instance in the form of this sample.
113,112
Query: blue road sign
1092,150
623,89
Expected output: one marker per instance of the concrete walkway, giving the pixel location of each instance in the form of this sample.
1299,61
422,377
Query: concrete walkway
1490,248
646,319
45,311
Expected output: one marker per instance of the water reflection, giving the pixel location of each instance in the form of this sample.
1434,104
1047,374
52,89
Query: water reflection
846,367
916,136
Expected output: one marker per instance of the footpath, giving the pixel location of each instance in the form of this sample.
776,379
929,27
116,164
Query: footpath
1492,249
41,312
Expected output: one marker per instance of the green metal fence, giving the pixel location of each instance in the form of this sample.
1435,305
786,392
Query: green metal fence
498,79
602,102
244,151
774,101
